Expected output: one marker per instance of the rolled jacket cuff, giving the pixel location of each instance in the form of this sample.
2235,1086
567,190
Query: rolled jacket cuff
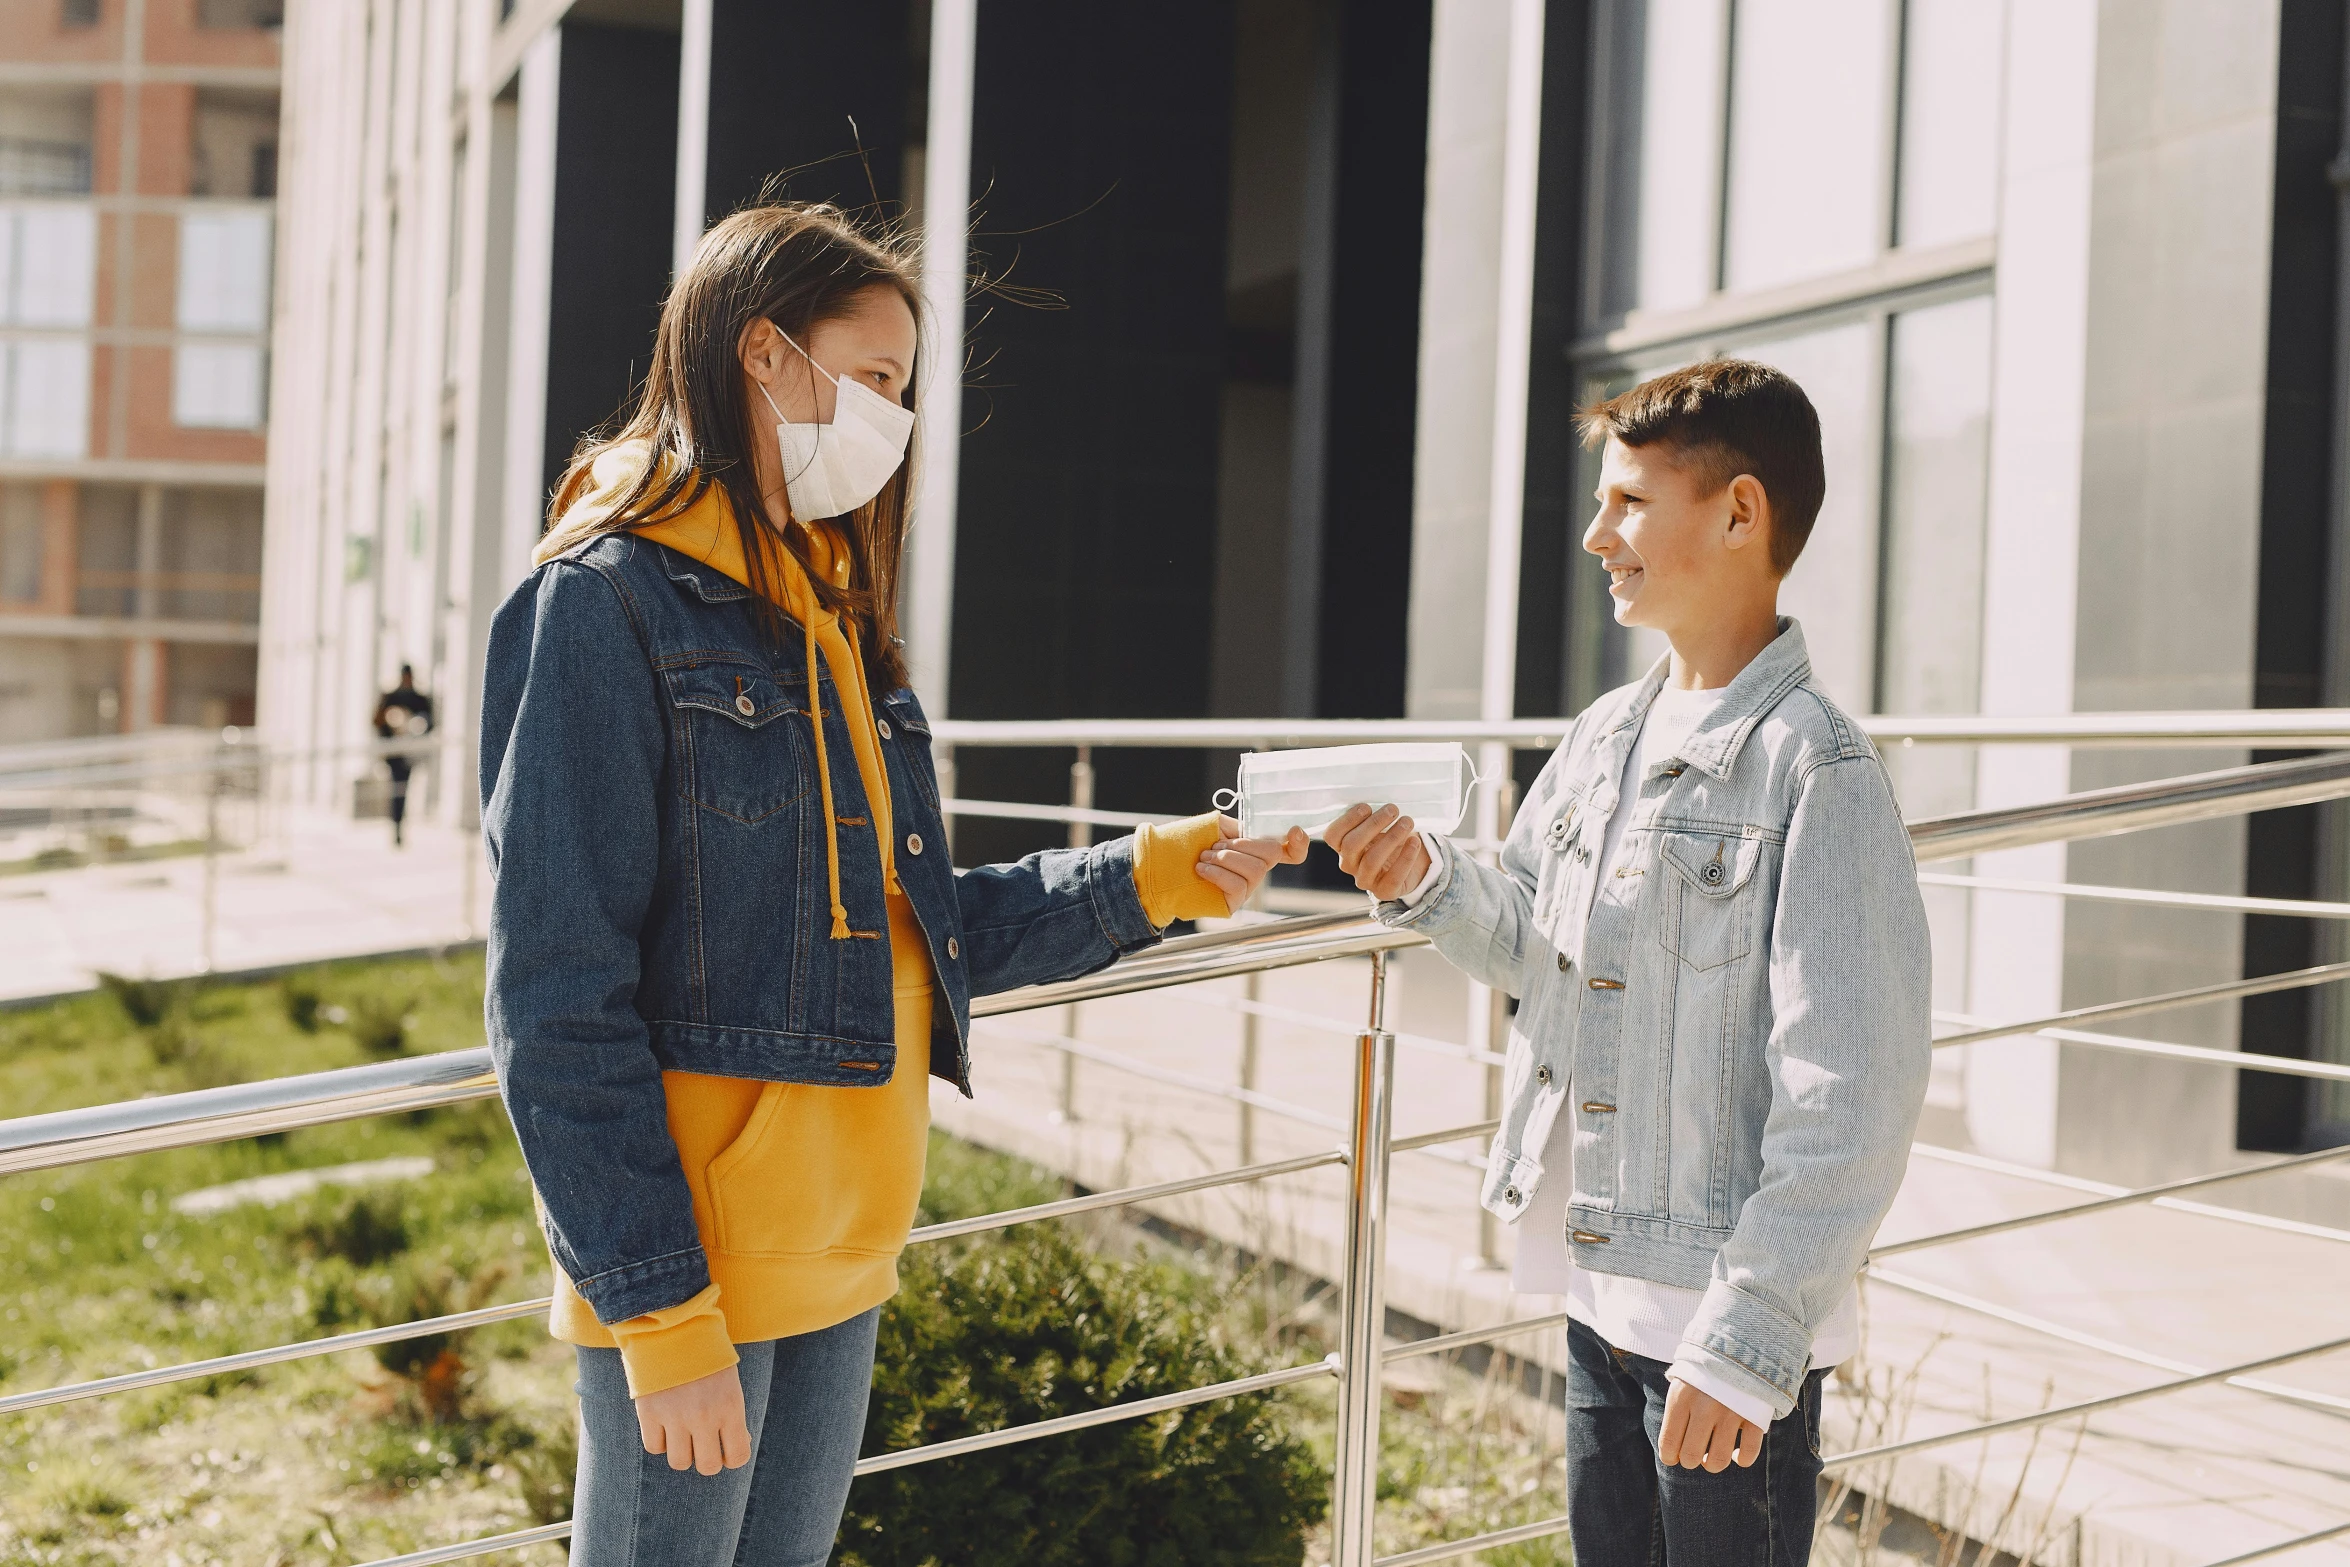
640,1289
1117,901
1749,1343
1436,901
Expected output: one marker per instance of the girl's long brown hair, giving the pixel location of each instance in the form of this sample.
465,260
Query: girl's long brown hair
793,264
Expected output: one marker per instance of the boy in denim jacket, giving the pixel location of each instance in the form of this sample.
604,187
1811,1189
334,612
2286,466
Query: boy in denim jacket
1708,911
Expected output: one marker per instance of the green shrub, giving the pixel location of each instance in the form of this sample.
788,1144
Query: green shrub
544,1473
146,1002
362,1229
1031,1325
299,994
380,1024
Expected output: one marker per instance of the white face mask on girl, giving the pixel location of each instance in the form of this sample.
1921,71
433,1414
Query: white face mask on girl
829,470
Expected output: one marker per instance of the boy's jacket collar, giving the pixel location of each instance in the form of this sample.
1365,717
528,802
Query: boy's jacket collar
1713,746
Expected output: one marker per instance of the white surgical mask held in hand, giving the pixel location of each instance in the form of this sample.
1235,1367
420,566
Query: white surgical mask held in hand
1311,789
829,470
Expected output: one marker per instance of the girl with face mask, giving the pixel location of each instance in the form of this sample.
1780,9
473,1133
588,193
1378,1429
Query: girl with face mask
727,949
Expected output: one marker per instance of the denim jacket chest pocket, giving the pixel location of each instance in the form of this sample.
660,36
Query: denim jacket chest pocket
741,737
1709,903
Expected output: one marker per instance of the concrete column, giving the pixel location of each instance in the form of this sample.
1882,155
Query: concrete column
533,252
1460,308
946,260
2032,544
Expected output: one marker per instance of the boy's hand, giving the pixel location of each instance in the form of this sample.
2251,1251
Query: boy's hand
1380,849
1700,1431
1235,865
699,1424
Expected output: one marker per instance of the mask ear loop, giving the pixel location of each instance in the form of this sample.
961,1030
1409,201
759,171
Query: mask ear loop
1221,803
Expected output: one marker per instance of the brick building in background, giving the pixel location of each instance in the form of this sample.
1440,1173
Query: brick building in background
138,177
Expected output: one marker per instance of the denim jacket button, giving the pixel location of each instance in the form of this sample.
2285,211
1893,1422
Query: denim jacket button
954,948
1542,1074
1509,1194
1562,963
882,724
745,706
913,843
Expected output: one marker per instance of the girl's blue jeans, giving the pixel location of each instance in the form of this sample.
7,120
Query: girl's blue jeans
804,1400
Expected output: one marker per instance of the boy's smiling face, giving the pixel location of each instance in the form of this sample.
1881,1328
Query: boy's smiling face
1676,555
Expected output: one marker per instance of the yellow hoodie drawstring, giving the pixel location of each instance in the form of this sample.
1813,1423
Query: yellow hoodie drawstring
840,912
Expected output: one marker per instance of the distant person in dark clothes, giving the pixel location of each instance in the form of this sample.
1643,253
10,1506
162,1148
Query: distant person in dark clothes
413,721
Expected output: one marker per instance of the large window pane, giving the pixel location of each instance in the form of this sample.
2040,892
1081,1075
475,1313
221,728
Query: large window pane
1949,120
1807,138
224,272
1833,589
1937,454
216,386
1658,148
51,282
47,399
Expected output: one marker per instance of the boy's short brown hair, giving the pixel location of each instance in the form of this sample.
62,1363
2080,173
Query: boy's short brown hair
1722,418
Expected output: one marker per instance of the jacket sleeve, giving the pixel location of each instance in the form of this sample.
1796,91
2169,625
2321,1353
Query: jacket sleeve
572,748
1055,915
1481,917
1850,1045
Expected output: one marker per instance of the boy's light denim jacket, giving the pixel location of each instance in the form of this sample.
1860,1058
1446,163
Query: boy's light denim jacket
1741,1032
651,812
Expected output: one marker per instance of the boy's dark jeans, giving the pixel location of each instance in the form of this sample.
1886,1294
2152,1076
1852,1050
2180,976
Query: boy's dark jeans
1624,1509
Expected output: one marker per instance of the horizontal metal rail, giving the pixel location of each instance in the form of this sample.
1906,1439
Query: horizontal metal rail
1020,811
1445,1343
1315,1020
2262,1554
2142,1194
1919,1444
2081,1183
1243,949
1108,1414
2169,1001
2218,902
2238,1060
543,1534
952,1229
2163,802
276,1354
2328,1402
1451,1549
2276,729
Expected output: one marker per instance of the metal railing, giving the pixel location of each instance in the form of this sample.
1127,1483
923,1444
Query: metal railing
223,1114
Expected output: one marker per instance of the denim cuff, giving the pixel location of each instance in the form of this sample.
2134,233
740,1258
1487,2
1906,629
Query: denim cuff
1440,905
1117,901
1739,1335
638,1289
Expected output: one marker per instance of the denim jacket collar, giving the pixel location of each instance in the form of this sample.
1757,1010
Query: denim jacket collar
1713,746
708,582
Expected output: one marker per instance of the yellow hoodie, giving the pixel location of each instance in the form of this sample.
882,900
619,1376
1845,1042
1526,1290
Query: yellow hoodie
850,1158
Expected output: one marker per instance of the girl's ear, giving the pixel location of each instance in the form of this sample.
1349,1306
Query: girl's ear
762,350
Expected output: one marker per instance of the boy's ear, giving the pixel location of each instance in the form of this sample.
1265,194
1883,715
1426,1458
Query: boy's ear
1750,514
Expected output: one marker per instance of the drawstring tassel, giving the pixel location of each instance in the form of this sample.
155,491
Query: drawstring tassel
840,913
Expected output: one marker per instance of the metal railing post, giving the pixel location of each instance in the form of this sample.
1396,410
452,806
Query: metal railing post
1080,836
1254,992
213,786
1362,1333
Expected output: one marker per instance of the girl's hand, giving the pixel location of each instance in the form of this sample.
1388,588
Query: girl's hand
1235,865
699,1424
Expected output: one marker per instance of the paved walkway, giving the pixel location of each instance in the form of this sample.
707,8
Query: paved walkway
314,886
2183,1481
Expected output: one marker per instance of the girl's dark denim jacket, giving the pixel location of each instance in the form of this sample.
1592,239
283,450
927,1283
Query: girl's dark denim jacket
650,807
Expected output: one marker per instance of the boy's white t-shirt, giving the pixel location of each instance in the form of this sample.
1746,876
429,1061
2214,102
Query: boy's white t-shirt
1636,1315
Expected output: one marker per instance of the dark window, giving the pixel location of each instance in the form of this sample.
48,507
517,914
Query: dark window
80,13
265,170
